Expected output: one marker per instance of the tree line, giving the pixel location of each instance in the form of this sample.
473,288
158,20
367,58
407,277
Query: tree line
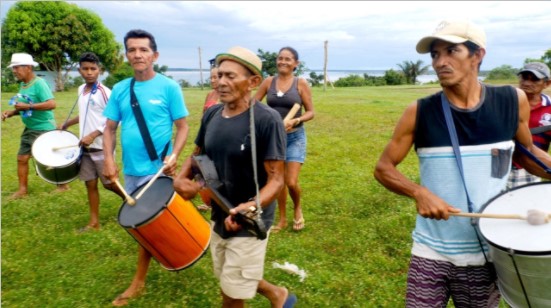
56,33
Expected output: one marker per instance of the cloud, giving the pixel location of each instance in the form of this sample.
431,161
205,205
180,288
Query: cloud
360,34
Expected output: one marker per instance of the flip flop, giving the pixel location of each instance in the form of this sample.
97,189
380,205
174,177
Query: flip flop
290,301
298,224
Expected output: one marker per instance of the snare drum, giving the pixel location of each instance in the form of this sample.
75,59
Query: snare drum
57,156
521,252
166,225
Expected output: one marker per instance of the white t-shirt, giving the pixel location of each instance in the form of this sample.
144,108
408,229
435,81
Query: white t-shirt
91,105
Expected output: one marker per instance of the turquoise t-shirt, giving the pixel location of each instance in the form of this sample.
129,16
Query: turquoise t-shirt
39,92
162,102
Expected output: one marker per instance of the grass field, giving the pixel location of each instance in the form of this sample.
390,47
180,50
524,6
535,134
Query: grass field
355,247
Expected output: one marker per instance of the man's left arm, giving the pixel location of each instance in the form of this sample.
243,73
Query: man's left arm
524,137
182,130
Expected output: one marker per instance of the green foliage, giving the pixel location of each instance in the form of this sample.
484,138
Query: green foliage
351,80
56,33
184,83
413,69
315,79
504,72
394,78
122,72
546,58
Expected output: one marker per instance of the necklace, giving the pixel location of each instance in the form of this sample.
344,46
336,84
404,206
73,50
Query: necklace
279,93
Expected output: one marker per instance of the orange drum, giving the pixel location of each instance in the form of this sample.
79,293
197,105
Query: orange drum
166,225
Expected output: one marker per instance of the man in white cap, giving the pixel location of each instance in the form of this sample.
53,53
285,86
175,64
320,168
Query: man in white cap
533,79
447,255
34,104
225,137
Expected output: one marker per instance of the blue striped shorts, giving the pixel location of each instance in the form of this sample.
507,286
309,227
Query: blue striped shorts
430,283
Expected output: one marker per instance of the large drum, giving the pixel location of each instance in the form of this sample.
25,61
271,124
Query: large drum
166,225
57,156
521,252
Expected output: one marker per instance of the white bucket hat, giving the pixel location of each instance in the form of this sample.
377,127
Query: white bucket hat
21,59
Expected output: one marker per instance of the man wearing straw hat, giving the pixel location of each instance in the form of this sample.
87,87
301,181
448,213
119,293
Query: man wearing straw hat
250,181
448,258
34,104
162,104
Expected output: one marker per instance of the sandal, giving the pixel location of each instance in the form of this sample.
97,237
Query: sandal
298,224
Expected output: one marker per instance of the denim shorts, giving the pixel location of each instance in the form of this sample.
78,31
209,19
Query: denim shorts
296,146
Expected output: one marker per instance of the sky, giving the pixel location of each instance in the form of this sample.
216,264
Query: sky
360,35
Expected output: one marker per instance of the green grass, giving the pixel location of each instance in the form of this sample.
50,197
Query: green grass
355,247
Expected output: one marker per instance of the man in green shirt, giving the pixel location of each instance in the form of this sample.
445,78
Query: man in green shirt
34,104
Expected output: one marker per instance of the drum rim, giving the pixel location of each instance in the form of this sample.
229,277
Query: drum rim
154,214
501,247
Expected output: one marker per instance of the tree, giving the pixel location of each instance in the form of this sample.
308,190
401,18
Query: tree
413,69
504,72
269,66
394,78
56,33
315,79
546,58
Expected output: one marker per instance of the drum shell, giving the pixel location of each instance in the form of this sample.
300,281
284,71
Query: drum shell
61,170
523,265
535,272
176,234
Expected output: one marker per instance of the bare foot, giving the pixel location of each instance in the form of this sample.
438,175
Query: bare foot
18,195
89,227
280,226
62,187
122,299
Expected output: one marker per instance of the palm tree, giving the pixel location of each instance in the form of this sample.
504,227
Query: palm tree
413,69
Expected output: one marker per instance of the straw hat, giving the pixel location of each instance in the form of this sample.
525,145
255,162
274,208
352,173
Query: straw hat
244,57
21,59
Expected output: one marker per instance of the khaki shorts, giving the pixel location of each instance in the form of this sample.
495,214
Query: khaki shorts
238,264
91,167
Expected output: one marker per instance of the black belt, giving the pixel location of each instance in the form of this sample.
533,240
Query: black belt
91,150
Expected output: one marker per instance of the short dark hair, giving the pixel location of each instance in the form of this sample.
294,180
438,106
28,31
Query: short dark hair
88,57
138,33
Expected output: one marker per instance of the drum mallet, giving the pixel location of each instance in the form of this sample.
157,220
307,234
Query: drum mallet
154,178
64,147
292,112
534,217
129,199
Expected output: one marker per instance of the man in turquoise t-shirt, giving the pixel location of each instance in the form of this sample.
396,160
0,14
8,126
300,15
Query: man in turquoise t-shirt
34,104
162,104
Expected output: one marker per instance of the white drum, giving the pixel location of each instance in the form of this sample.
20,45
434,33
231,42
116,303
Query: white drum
521,252
57,156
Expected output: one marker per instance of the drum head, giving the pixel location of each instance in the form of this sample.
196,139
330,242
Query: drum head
516,234
43,148
153,201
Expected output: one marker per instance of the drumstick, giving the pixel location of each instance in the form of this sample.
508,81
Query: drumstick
129,199
292,112
64,147
534,217
154,177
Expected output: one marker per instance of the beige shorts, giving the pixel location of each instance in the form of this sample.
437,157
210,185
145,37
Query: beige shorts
91,167
238,264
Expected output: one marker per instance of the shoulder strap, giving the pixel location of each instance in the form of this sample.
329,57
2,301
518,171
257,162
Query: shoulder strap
141,123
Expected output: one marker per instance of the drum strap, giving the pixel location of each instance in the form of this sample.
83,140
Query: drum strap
455,144
143,126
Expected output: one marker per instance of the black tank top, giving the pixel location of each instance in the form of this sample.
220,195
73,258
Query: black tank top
494,119
283,102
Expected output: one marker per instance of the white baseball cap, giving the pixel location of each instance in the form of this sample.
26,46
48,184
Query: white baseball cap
455,32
